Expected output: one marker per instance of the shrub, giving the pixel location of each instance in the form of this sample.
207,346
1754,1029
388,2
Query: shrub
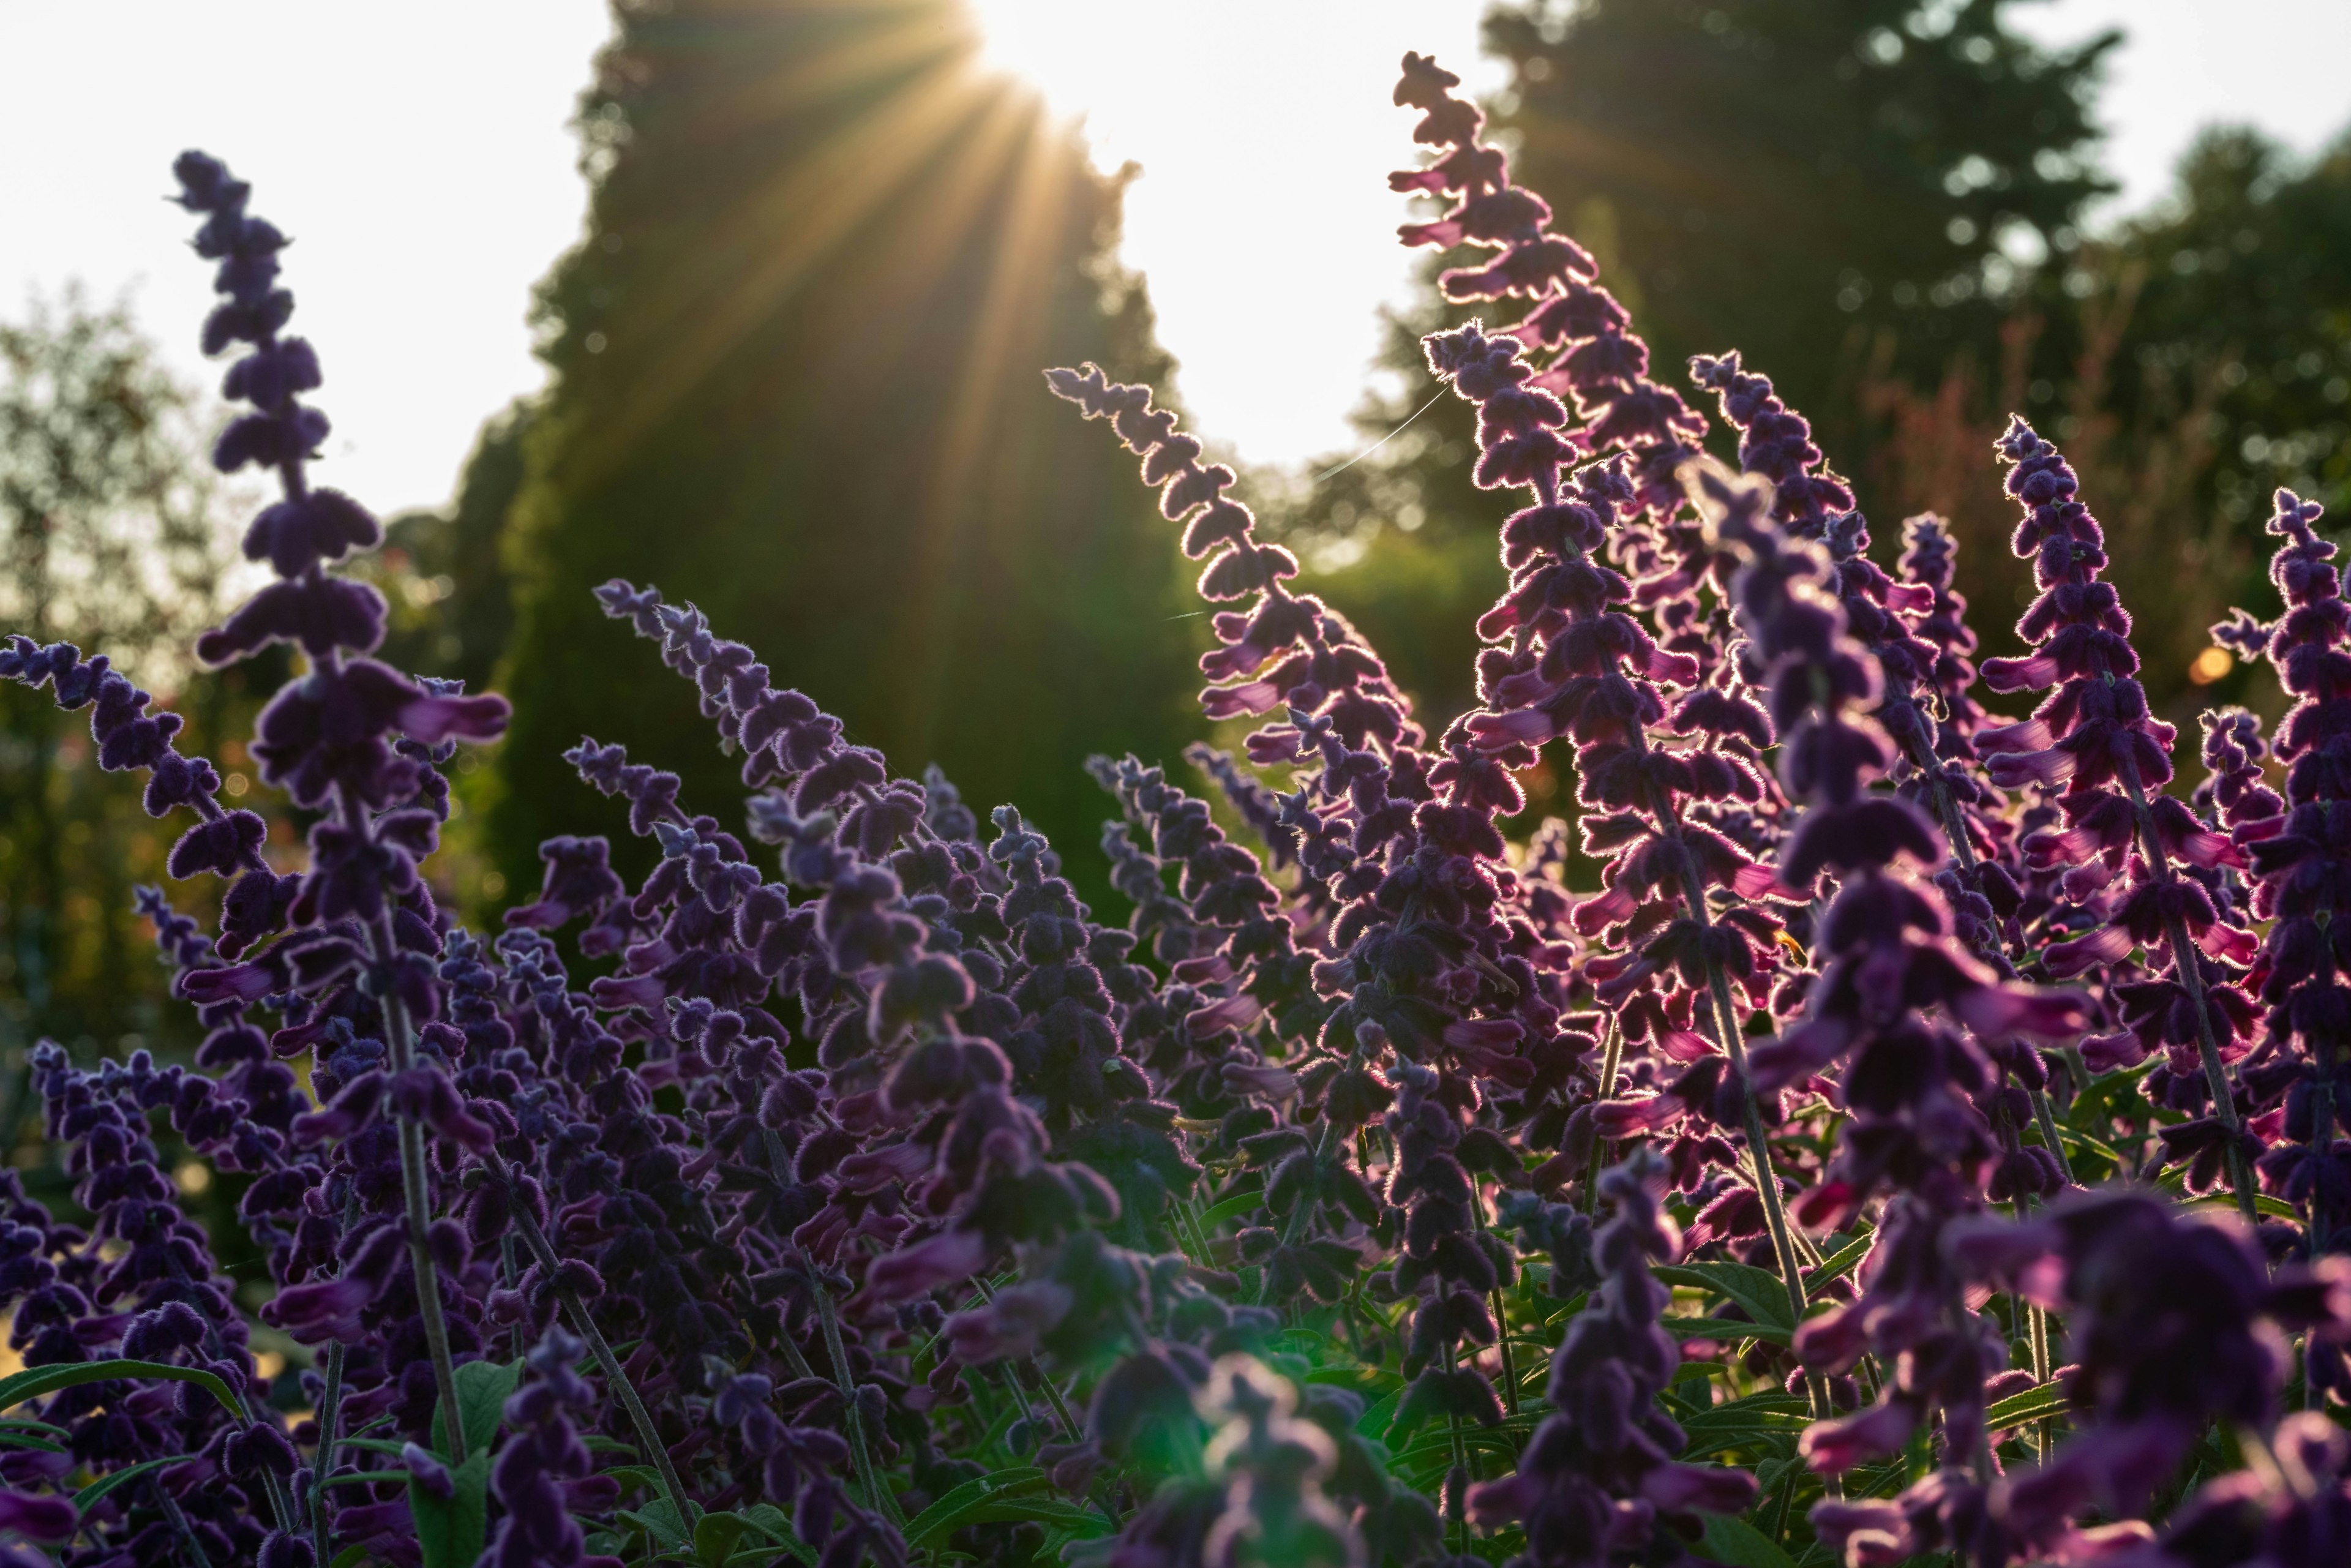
892,1204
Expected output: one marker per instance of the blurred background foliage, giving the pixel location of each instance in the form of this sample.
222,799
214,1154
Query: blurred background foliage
793,377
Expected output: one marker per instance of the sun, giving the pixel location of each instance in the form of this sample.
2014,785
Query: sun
1073,53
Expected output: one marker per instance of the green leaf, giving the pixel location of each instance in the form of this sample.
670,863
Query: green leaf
1368,1381
599,1443
374,1446
89,1495
349,1557
1836,1263
2276,1208
359,1477
1740,1544
36,1381
1231,1209
1759,1290
716,1533
659,1520
483,1389
1083,1521
954,1511
778,1526
643,1474
451,1532
43,1428
1741,1423
27,1440
1729,1331
2032,1405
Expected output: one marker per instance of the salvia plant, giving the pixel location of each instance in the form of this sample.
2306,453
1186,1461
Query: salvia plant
1877,1129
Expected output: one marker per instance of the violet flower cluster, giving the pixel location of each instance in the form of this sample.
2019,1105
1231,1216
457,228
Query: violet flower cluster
845,1189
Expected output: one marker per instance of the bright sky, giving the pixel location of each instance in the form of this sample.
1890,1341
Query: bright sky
419,154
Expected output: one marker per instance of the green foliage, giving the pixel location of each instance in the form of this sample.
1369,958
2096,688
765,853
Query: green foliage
796,381
112,535
452,601
2243,279
1789,176
36,1381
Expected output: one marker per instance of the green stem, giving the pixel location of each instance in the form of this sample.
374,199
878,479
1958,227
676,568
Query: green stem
178,1523
1612,1055
1510,1369
415,1195
331,1415
878,1496
2184,968
648,1435
1963,849
1759,1149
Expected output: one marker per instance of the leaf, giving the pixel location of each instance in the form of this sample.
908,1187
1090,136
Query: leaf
89,1496
597,1443
716,1533
453,1530
349,1557
1727,1330
374,1446
778,1526
16,1423
2276,1208
359,1478
36,1381
1367,1381
953,1511
658,1519
1232,1208
643,1474
1740,1423
1759,1290
483,1389
1838,1262
27,1440
1740,1544
1083,1522
2032,1405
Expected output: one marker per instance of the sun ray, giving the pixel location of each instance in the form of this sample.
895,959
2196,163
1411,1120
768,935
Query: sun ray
1009,321
775,241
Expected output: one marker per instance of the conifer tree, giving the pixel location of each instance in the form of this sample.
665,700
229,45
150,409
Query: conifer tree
795,360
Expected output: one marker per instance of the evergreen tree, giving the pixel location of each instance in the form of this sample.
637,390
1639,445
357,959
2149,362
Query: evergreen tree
2242,282
1789,177
444,573
1825,184
797,382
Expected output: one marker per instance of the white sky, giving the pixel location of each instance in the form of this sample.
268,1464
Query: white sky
420,157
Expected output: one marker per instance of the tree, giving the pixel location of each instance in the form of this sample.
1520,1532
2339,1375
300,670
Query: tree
796,379
1838,188
1789,177
444,573
111,536
2243,279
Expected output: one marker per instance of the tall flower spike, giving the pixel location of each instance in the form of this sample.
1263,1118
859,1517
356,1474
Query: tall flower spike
339,738
1590,1488
2173,1321
1284,650
1917,1089
2301,855
1594,359
2094,736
